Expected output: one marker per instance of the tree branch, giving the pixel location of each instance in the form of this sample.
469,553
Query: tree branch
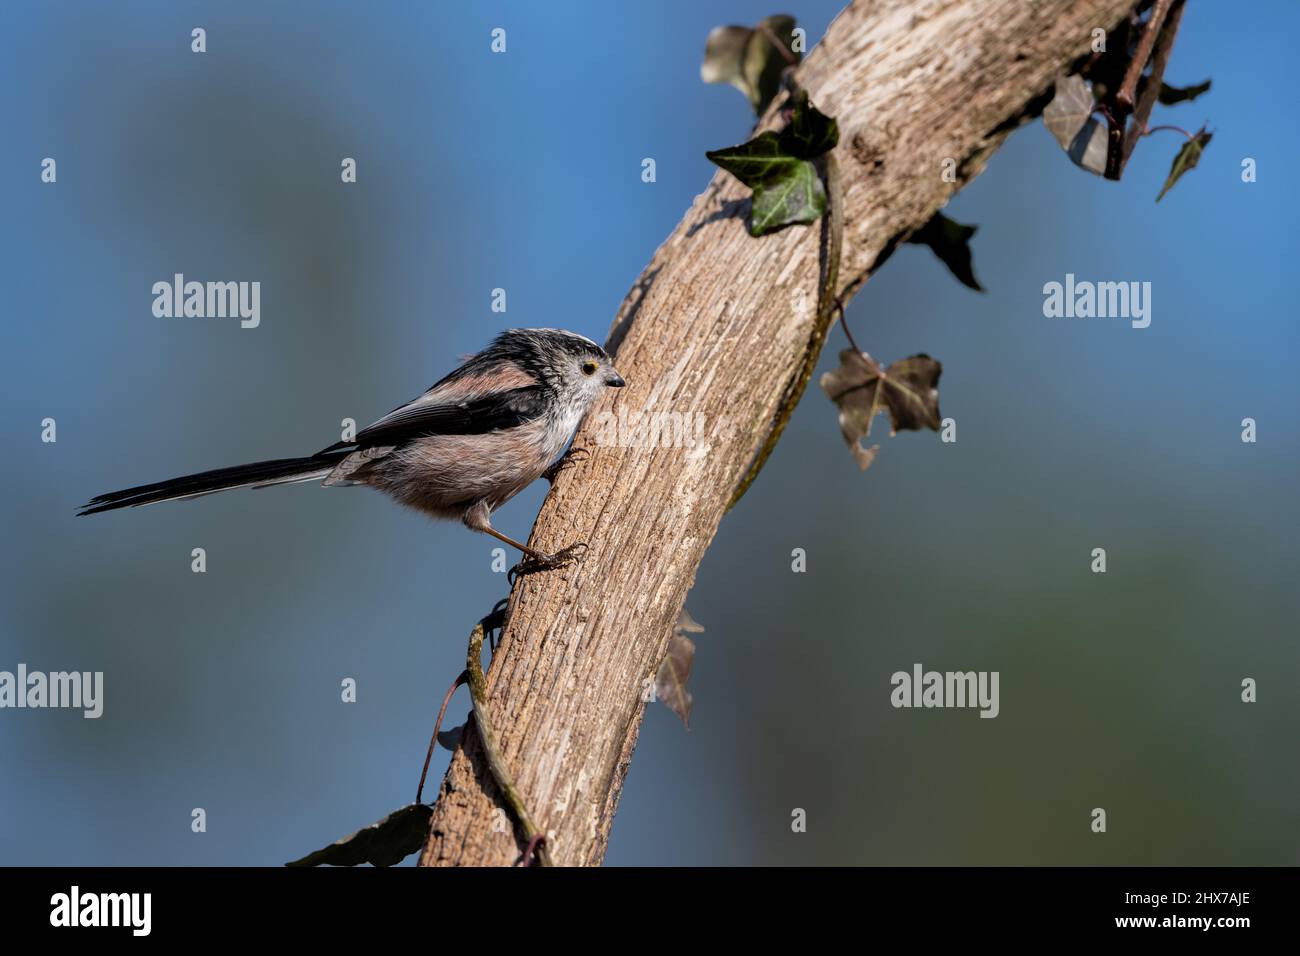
500,775
722,325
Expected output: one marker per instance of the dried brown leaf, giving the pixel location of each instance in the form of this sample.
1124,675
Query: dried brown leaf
908,390
1070,121
675,669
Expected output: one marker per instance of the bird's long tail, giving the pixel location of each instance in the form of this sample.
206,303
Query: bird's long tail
260,474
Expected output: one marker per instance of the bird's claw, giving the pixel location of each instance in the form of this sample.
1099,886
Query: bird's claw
573,456
548,562
495,623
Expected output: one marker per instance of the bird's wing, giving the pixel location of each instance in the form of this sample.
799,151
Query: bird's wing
437,414
428,415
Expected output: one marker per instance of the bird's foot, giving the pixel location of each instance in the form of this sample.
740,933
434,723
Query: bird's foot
573,456
494,624
531,564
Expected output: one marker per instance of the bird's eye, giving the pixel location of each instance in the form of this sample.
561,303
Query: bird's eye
589,368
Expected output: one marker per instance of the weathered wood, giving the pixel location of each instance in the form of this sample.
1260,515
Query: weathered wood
718,326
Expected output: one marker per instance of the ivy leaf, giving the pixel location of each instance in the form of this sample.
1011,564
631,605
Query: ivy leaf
797,197
1071,107
908,390
1170,95
950,241
451,737
1070,121
389,841
778,167
674,672
675,669
1186,159
687,624
750,58
810,132
724,56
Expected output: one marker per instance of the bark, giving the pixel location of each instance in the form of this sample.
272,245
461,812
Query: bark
723,325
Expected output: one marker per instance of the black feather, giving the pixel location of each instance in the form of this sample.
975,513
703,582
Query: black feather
475,417
219,479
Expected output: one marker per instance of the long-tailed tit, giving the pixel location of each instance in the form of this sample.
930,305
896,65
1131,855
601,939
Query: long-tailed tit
462,449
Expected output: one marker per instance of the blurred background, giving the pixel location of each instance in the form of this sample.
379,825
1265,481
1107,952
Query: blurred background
522,171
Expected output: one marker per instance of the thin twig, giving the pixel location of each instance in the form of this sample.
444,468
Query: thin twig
536,844
433,741
505,783
788,54
1126,97
832,242
1167,126
1163,45
1114,146
853,343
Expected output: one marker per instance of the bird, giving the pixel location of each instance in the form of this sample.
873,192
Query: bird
467,445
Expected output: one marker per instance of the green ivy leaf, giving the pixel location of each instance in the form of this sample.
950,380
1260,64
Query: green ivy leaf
389,841
760,161
950,241
810,132
749,58
798,196
1169,95
1186,159
778,168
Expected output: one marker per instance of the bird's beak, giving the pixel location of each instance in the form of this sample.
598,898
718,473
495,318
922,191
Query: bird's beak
613,379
